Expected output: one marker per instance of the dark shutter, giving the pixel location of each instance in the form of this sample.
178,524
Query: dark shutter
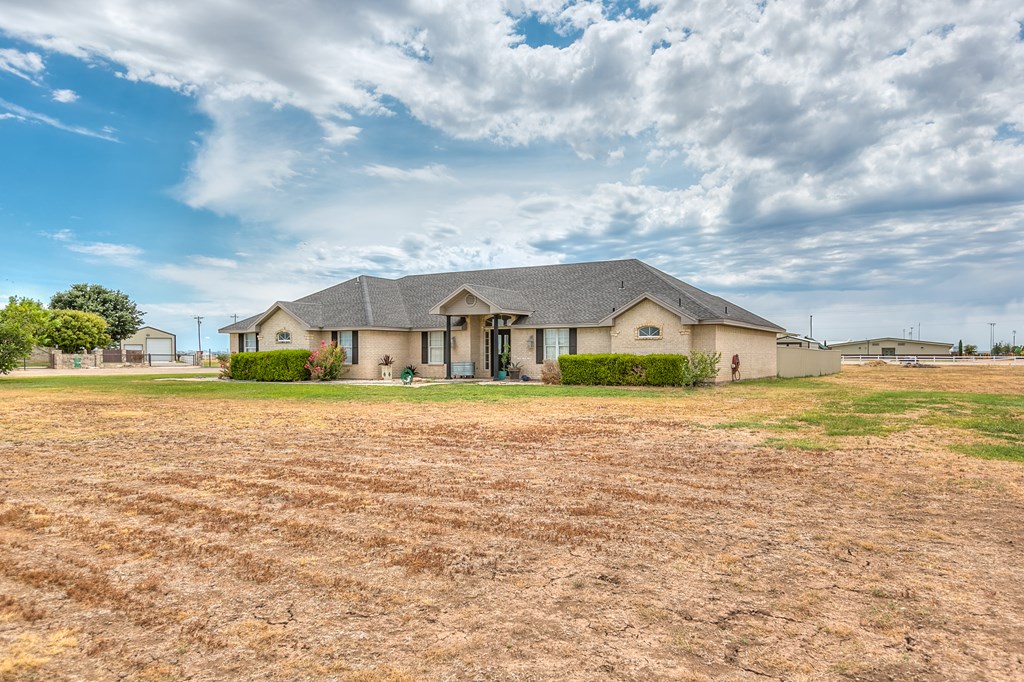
241,342
572,341
424,351
334,337
355,348
257,342
540,346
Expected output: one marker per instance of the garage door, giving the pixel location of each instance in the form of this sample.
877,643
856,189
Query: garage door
160,350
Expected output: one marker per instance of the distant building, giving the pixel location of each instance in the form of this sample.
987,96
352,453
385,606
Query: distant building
889,346
788,340
150,341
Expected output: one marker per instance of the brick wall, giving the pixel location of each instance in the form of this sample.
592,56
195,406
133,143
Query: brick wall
757,349
675,336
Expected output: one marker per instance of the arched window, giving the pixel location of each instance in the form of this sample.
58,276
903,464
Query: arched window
284,337
648,331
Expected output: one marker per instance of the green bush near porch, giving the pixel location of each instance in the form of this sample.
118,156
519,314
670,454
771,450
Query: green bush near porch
274,365
616,369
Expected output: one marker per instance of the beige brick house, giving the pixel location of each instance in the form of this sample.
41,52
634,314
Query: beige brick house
459,323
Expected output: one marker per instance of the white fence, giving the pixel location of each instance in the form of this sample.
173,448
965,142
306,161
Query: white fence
936,359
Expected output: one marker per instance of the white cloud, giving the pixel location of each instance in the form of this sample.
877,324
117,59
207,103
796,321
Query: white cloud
11,117
64,96
431,173
124,255
24,114
214,262
26,65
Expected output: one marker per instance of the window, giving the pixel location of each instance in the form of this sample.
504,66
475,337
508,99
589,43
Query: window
345,341
250,343
435,348
556,342
648,331
284,337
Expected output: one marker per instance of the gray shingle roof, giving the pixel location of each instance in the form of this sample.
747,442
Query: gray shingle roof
564,295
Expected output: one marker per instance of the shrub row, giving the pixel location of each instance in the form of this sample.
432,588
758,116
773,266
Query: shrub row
624,370
699,367
274,365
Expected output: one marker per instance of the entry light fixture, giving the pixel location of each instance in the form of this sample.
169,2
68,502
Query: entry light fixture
529,341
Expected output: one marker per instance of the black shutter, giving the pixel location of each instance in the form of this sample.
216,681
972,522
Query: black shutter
572,341
424,351
241,342
540,346
257,342
334,337
355,348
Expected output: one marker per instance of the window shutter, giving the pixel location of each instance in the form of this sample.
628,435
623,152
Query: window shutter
424,351
355,347
334,337
241,342
572,341
540,346
257,337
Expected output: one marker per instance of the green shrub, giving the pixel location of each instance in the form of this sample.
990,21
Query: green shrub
274,365
703,367
618,369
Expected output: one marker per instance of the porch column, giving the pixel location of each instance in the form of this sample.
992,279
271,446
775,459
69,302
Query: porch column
494,347
447,346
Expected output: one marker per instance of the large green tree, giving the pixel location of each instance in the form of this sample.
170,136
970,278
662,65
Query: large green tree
73,331
122,315
22,325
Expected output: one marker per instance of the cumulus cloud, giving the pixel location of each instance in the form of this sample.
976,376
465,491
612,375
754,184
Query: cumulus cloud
64,96
743,144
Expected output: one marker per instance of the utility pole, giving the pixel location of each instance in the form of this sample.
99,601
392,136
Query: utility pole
199,330
234,318
918,331
1013,346
810,334
991,336
911,332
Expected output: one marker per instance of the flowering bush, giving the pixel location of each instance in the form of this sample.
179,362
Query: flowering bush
326,363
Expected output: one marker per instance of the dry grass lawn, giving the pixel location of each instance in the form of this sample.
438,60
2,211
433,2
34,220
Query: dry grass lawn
563,538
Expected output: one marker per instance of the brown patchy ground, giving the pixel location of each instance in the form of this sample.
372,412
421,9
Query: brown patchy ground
598,538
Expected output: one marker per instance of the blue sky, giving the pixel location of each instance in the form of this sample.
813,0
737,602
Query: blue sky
860,163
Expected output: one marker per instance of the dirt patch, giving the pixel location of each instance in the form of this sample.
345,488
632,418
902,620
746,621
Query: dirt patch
570,539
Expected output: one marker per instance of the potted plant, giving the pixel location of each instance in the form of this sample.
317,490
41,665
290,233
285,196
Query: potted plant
514,369
503,361
385,363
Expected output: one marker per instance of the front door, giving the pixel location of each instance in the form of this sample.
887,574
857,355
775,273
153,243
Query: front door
504,343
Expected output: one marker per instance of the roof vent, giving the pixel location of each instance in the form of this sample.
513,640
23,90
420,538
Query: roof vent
680,301
726,310
622,284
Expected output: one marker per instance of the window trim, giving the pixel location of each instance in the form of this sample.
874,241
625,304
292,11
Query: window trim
283,336
660,335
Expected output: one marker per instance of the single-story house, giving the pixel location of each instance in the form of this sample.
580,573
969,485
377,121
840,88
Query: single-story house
890,346
161,346
460,323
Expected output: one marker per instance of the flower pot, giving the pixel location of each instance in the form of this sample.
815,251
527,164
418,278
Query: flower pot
513,374
501,375
385,372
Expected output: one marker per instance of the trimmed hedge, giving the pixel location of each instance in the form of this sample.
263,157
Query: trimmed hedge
273,365
616,369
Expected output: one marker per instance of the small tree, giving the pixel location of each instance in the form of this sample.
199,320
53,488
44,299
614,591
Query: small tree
73,331
22,324
123,317
702,367
970,349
